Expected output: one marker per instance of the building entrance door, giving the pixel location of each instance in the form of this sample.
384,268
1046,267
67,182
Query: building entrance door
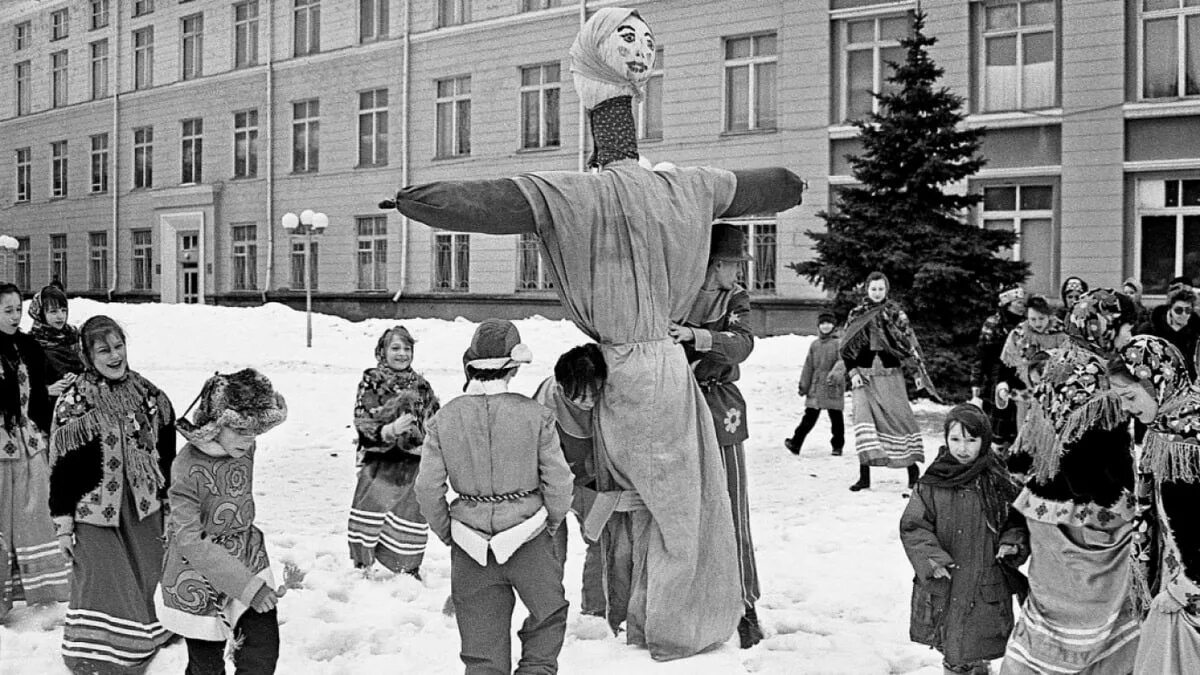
189,267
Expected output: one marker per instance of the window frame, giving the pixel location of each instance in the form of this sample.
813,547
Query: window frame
22,271
143,58
191,46
22,34
23,85
375,115
60,24
142,277
58,258
459,147
643,106
23,175
298,262
191,151
245,30
310,124
529,254
244,251
761,234
452,12
59,169
98,68
539,5
245,133
379,24
753,62
98,260
99,163
1018,215
458,247
1020,32
99,14
1180,14
372,243
142,7
1178,212
59,79
143,157
541,88
310,30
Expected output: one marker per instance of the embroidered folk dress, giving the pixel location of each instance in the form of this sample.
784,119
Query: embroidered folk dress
110,443
31,567
216,557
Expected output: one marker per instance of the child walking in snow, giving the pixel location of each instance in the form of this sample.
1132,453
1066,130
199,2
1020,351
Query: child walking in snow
501,454
965,543
389,414
217,581
823,386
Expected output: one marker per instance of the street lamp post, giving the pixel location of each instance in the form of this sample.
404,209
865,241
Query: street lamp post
307,223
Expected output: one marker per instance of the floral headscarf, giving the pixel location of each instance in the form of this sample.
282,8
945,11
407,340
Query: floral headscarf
1172,447
1155,361
1097,317
386,339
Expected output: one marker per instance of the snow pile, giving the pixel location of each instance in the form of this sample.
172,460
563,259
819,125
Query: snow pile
835,580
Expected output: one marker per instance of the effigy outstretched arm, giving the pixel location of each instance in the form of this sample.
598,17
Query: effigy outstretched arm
494,206
763,191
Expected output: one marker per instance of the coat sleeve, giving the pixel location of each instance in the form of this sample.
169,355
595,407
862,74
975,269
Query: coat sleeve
166,444
1016,532
39,398
806,375
554,474
918,533
761,191
76,470
733,345
365,423
430,485
495,206
224,572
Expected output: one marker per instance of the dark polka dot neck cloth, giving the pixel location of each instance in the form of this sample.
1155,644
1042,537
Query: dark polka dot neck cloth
614,133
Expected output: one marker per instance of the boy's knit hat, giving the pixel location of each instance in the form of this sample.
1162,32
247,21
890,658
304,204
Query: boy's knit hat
826,317
244,401
496,345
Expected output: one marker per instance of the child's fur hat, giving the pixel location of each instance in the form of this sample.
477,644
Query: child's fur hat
244,401
496,345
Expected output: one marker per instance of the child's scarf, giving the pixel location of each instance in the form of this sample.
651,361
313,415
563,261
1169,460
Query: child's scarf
996,488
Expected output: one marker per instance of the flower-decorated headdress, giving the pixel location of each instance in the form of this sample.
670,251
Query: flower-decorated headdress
1097,318
1172,446
244,401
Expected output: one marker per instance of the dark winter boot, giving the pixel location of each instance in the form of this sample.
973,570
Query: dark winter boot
792,446
914,472
749,632
864,478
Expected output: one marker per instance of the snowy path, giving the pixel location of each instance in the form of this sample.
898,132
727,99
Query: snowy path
835,580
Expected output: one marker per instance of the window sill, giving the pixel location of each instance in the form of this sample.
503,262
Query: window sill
304,173
451,158
1015,118
98,192
1165,107
370,166
544,148
58,198
651,141
243,178
748,132
450,291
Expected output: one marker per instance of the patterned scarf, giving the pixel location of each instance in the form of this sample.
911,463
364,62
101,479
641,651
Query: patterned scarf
1172,447
614,133
1024,342
1097,318
883,327
996,487
10,381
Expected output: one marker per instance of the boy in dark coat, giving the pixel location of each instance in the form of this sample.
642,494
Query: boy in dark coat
501,454
823,386
965,543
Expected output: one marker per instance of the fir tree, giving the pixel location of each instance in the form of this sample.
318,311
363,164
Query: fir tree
900,220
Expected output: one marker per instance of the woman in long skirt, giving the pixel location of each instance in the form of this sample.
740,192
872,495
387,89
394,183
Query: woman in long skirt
877,342
112,444
389,413
31,567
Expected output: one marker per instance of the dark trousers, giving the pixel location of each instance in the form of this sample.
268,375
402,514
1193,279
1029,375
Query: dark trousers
592,600
838,437
483,602
257,654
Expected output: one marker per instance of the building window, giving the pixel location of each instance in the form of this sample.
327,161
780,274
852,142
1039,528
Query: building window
22,273
59,24
99,54
192,152
454,116
245,34
58,169
97,260
372,127
758,273
306,27
245,257
100,163
1168,234
540,88
750,83
245,144
99,13
1028,212
372,253
1169,48
21,35
21,72
306,136
298,262
535,5
649,110
58,79
1017,55
142,254
451,262
453,12
24,174
143,157
142,7
191,46
372,20
58,258
143,58
531,269
866,47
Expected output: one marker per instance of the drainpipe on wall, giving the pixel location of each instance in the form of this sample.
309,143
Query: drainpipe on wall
270,206
582,113
404,87
114,182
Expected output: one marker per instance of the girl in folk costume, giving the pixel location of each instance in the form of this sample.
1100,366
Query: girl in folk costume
390,412
111,447
965,543
217,581
877,342
31,567
1079,616
1152,381
59,340
1041,331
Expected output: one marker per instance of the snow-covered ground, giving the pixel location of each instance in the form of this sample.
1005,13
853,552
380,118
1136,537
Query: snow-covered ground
835,580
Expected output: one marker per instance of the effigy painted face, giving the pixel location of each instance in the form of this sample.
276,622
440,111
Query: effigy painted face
629,50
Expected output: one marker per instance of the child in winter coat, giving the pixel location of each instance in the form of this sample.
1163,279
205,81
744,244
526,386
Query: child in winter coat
217,581
58,339
823,386
964,543
501,454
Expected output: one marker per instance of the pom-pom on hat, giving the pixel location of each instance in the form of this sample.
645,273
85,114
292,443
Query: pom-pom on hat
244,401
496,345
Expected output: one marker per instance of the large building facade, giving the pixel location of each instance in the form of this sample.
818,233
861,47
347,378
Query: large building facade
148,148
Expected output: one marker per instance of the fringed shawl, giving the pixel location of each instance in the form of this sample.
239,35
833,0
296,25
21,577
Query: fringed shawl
1023,342
884,327
383,395
1097,318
